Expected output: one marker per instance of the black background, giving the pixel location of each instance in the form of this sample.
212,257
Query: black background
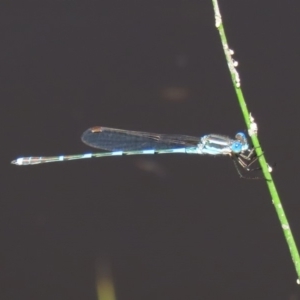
174,226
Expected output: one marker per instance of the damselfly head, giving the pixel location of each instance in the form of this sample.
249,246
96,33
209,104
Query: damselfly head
241,137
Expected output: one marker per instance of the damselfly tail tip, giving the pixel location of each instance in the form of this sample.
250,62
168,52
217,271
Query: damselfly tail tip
17,162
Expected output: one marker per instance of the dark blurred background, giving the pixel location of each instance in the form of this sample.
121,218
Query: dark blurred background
170,227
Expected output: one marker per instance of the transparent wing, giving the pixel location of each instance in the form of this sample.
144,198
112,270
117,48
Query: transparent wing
124,140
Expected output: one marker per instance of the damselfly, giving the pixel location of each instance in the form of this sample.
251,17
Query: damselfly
125,142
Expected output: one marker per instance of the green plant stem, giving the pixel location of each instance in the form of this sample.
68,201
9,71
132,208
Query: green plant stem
250,123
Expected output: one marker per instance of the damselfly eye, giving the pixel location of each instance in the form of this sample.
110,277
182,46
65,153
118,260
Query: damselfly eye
236,147
241,136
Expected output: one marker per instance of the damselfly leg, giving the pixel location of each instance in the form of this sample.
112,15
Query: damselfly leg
246,161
